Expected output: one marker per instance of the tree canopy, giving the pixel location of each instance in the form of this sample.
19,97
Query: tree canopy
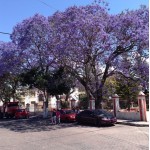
98,44
87,41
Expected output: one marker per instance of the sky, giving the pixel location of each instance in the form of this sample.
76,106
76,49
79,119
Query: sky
15,11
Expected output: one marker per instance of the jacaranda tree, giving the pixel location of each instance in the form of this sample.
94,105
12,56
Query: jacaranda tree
33,36
94,44
89,42
10,67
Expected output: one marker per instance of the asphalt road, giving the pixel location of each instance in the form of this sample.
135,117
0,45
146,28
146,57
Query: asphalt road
37,134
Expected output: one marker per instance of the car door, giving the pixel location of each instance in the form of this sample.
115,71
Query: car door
91,118
87,117
62,115
82,116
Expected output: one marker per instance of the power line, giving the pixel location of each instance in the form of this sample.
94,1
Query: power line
39,1
47,4
5,33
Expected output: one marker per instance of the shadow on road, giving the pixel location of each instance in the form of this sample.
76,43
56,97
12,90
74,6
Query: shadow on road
35,124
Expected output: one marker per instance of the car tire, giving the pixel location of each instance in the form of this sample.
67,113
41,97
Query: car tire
78,121
98,123
67,119
1,115
7,115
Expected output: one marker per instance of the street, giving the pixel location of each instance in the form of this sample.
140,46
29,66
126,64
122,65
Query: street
36,134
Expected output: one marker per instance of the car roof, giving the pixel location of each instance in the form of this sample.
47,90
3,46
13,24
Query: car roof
96,110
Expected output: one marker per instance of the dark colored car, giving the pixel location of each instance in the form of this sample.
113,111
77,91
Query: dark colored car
97,117
67,115
21,113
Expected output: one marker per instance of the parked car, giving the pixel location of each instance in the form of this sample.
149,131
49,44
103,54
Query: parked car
21,113
67,115
97,117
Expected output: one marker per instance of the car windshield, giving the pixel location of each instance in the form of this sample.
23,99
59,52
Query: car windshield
20,110
69,111
13,104
101,112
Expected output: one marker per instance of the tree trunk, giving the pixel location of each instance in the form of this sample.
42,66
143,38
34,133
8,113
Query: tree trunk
99,91
128,103
45,105
98,99
67,96
46,96
88,94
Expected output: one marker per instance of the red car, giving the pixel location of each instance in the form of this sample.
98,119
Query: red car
21,113
67,115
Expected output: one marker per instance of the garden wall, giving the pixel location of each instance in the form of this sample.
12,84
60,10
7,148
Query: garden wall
135,116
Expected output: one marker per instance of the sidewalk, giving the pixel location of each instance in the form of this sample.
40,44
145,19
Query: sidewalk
133,123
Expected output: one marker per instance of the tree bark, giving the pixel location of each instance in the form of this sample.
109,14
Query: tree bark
98,99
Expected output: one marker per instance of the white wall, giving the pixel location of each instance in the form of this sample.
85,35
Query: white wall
147,114
135,116
52,102
1,103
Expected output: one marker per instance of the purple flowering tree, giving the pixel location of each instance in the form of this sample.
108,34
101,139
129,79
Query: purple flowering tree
10,58
10,67
89,42
93,44
33,37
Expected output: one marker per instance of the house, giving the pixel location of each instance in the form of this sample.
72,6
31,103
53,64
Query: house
32,99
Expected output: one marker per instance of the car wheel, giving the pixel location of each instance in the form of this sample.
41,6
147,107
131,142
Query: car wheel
7,115
66,119
1,116
11,116
78,121
98,123
15,117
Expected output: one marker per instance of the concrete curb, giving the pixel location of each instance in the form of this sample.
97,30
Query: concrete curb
134,124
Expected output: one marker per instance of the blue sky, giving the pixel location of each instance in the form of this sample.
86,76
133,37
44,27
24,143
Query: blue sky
14,11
